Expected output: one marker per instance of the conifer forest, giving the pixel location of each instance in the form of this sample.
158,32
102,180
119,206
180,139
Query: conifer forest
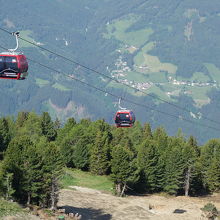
35,150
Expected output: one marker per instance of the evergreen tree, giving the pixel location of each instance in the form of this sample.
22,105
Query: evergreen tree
81,154
63,132
174,166
161,142
99,163
48,127
6,184
52,169
147,133
20,160
32,174
21,118
119,136
57,124
209,152
124,169
148,162
190,157
213,175
193,143
161,139
135,134
4,135
67,145
31,127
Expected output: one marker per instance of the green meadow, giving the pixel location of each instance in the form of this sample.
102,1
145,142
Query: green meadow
74,177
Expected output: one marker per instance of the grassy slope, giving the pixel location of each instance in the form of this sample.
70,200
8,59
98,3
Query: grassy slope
9,208
119,29
75,177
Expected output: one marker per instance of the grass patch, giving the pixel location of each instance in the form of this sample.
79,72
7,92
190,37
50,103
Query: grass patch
60,87
75,177
214,71
118,29
159,77
26,35
199,92
41,82
148,47
158,92
200,77
137,77
9,208
153,63
173,90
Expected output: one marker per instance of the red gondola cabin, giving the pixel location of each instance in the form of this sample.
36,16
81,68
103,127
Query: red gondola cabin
124,118
13,65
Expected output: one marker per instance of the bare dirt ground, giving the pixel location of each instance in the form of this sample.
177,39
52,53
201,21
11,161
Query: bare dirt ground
93,204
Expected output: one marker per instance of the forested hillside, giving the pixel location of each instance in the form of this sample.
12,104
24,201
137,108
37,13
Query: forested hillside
35,149
167,49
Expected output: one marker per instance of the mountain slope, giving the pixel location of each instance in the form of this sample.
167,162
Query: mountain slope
170,49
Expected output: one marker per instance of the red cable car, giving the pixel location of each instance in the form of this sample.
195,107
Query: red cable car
13,65
124,118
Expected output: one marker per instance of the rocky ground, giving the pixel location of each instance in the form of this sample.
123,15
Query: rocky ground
93,204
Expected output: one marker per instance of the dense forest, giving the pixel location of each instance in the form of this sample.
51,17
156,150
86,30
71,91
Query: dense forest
35,149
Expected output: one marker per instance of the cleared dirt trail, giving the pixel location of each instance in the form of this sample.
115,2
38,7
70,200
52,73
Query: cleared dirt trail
93,204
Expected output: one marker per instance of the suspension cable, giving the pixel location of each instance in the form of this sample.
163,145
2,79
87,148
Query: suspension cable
111,78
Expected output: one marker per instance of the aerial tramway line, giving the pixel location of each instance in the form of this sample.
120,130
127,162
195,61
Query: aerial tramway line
14,65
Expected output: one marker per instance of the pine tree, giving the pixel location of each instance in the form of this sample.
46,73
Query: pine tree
161,142
174,166
99,163
21,118
209,151
31,127
4,134
135,134
124,169
48,127
190,157
148,161
161,139
52,169
213,175
32,170
81,153
69,140
147,133
7,186
63,132
22,161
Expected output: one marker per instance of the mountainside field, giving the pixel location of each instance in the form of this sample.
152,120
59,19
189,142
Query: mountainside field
169,50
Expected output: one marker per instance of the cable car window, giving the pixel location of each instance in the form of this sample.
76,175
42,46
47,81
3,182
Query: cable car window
11,63
133,116
23,64
124,117
1,64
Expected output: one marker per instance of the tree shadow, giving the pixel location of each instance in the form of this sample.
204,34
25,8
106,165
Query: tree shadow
87,213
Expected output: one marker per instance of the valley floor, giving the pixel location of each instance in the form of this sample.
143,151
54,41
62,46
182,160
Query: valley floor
94,204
